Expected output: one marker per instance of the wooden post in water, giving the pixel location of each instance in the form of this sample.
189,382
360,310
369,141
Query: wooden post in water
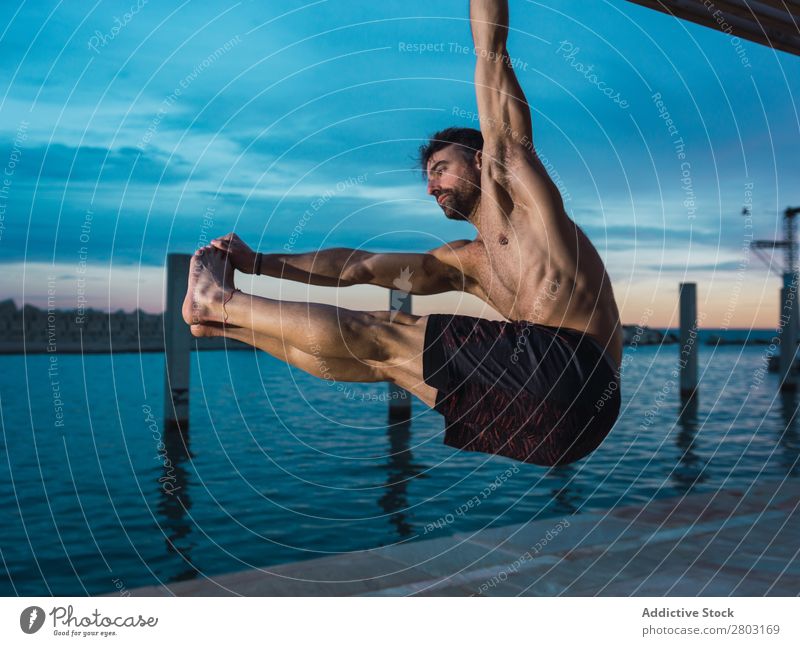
788,324
399,398
688,339
177,345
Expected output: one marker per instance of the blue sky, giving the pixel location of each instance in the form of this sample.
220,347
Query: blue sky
245,113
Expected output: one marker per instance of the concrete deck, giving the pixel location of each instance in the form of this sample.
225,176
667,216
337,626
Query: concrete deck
730,542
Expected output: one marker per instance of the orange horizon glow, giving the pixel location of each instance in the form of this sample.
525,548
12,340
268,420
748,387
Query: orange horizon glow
725,303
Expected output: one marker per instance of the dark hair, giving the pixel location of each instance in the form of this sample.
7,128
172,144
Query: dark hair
469,141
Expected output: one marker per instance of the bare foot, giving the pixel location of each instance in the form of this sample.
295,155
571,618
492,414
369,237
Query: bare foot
203,330
210,285
211,329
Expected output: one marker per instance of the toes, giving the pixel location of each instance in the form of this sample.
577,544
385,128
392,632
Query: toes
196,265
197,259
200,330
202,257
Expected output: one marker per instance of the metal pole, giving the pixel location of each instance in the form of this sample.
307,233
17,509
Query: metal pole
688,339
177,345
399,398
788,322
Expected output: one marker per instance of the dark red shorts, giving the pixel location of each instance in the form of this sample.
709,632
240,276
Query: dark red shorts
530,392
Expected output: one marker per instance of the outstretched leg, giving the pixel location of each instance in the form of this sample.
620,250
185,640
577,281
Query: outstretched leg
328,368
371,345
311,327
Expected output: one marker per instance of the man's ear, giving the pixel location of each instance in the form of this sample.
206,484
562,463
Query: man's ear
479,159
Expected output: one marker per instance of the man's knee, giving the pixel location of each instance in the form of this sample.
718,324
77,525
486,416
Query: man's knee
394,316
381,340
367,334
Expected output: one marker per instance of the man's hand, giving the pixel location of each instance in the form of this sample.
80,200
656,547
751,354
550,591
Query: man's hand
242,257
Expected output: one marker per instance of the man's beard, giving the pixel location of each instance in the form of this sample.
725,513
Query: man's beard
460,201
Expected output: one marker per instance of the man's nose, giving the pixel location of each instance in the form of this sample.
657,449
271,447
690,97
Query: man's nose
432,187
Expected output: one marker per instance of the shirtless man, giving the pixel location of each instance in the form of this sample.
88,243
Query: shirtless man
541,387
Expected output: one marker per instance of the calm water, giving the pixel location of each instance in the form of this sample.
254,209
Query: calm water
281,467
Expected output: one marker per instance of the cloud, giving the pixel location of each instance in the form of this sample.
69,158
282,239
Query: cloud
59,162
288,126
722,266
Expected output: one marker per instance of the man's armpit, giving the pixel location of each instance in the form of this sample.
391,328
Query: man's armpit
459,258
449,246
523,176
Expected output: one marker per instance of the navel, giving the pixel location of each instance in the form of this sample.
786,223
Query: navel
503,240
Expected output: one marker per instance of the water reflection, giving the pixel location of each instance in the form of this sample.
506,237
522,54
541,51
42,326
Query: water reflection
690,470
175,503
788,437
566,498
401,469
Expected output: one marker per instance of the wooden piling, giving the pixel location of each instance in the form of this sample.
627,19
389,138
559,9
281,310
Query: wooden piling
399,398
177,345
788,327
688,339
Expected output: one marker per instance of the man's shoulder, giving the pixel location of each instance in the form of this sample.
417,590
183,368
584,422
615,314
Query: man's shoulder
466,257
461,254
450,249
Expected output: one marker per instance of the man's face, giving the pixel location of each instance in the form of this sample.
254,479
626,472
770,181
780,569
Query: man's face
454,179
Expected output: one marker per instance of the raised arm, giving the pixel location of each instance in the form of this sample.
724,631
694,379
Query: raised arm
505,116
509,155
433,272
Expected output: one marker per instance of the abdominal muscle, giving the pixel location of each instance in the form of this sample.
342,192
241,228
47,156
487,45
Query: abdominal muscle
552,288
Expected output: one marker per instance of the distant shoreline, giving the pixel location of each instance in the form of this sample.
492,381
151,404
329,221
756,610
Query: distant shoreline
30,330
646,337
7,348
